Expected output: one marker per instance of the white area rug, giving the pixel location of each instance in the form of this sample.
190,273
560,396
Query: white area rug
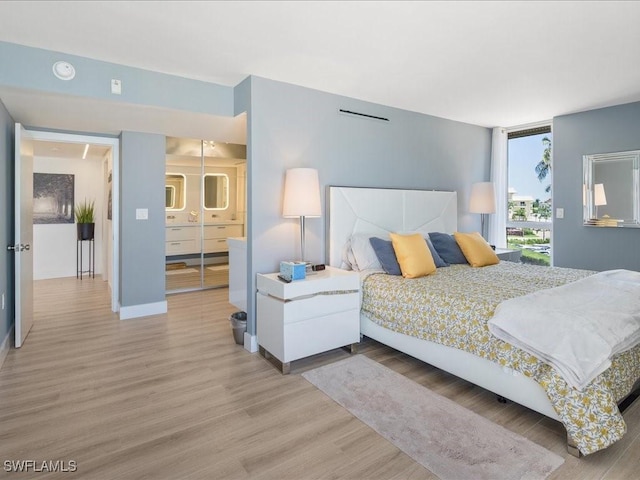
179,271
450,441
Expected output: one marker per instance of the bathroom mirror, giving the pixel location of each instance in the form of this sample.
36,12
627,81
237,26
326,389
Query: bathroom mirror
216,191
611,189
169,196
174,191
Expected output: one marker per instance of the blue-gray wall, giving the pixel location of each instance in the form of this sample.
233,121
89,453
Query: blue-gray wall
242,104
142,242
292,126
6,224
612,129
31,68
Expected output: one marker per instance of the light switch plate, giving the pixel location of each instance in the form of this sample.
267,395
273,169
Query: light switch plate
559,212
142,214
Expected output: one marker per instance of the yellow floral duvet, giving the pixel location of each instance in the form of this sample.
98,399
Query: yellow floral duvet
452,307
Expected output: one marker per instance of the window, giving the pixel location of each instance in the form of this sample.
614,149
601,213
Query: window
529,219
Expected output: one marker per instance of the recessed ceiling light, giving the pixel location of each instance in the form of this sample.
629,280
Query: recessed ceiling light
64,70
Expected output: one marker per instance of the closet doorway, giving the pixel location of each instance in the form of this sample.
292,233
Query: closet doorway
205,203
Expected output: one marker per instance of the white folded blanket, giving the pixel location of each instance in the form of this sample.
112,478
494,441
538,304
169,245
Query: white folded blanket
577,327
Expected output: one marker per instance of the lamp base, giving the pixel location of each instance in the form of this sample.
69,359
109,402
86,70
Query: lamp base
482,222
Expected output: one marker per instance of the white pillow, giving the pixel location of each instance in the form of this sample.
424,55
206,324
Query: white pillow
348,260
363,253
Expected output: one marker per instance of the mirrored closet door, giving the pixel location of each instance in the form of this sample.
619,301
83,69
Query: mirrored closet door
205,204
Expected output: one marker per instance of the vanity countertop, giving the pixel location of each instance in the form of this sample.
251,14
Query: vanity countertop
237,241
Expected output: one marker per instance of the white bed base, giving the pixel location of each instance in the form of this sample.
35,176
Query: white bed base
380,211
502,381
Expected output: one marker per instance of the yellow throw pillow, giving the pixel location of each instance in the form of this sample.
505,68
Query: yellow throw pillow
413,255
476,249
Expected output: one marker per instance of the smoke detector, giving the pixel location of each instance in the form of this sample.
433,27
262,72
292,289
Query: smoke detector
64,70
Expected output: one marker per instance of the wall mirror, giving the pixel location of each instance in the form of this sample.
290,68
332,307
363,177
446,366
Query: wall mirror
216,191
174,185
169,197
611,189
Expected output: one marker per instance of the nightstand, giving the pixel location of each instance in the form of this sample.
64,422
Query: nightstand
306,317
508,254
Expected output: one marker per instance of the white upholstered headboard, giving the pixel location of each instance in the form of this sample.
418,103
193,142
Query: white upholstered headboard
380,211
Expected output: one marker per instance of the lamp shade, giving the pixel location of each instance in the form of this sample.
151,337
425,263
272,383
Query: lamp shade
483,198
599,198
301,193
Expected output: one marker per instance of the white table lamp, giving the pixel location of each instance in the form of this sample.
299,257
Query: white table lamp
482,200
599,197
301,198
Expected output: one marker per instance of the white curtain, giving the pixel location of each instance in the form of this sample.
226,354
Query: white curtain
498,221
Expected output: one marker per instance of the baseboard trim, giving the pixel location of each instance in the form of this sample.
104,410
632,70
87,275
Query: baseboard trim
6,344
250,342
144,310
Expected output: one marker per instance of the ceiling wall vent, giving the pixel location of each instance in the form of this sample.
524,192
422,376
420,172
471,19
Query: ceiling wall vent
363,115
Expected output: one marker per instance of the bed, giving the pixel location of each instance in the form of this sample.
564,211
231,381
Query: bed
405,314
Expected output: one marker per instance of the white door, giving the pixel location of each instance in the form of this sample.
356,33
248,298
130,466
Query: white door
23,245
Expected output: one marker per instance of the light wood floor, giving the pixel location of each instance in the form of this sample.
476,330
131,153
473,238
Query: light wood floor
172,396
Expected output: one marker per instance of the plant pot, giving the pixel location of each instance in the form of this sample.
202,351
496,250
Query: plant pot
86,231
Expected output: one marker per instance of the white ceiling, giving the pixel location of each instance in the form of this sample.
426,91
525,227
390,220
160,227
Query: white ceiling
72,151
486,63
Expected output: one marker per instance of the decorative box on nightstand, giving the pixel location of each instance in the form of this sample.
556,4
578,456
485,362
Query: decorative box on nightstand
306,317
508,254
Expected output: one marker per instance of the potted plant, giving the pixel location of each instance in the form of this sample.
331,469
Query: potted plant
85,219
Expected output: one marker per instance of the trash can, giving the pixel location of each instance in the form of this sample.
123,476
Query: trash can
239,325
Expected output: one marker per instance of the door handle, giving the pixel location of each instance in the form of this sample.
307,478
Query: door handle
19,247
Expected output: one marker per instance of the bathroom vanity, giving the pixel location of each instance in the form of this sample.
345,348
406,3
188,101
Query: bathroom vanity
186,239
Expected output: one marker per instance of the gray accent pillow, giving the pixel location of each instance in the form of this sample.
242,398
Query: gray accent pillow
437,259
387,255
447,248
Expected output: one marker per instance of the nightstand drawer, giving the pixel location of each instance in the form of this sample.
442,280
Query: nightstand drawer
329,280
327,332
317,306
